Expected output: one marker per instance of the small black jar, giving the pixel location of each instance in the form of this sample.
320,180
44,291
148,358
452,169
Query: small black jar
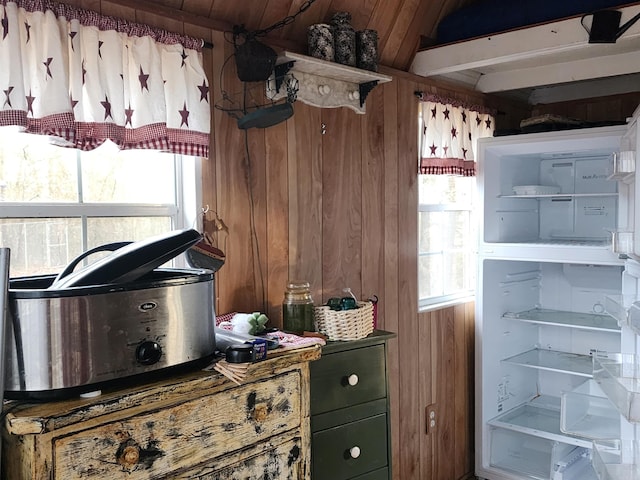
344,39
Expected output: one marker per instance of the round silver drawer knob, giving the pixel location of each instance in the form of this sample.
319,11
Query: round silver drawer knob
353,379
354,452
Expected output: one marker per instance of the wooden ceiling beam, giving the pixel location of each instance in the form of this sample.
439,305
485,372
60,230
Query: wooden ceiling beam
200,21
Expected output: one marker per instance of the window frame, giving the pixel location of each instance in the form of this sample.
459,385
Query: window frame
464,295
185,212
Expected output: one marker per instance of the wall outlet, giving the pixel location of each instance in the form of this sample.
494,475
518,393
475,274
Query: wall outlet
431,418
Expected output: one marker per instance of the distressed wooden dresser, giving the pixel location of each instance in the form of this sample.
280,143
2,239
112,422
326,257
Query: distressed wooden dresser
198,425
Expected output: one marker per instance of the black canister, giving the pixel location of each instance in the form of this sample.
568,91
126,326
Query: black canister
320,41
344,39
367,49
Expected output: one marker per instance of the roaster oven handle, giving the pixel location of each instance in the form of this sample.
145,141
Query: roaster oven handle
109,247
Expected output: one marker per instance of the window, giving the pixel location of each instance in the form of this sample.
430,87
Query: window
56,203
447,239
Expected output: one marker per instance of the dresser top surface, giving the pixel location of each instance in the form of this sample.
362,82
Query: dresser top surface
28,417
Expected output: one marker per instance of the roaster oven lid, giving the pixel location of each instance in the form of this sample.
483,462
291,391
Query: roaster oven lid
129,262
38,286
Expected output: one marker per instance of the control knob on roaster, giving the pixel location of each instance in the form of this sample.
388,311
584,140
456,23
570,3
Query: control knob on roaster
148,352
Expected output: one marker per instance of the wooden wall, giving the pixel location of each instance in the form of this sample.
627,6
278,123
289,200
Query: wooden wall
330,197
601,109
339,209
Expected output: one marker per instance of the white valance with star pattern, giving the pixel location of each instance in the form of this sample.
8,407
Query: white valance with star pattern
448,134
85,78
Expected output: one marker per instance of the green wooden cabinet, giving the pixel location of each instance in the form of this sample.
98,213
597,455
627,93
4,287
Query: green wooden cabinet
350,431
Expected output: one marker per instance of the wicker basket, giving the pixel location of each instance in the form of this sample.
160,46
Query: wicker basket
345,324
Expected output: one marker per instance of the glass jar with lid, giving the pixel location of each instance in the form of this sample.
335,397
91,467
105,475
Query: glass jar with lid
297,308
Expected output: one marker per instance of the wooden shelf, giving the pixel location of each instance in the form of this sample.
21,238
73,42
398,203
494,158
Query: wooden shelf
544,54
323,84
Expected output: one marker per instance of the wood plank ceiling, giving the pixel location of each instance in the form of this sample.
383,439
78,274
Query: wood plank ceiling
400,23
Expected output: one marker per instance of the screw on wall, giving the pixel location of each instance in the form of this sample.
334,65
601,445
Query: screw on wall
430,418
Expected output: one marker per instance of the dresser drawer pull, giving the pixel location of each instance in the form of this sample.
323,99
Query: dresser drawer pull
129,456
354,452
353,379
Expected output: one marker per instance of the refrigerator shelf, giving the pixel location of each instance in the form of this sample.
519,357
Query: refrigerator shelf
538,421
560,195
560,242
559,318
562,362
616,459
619,378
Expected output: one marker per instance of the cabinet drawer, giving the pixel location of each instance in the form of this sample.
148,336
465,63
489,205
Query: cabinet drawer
334,449
382,474
347,378
159,442
283,462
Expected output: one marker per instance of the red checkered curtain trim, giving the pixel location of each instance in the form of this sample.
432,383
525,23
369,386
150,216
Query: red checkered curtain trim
85,78
449,131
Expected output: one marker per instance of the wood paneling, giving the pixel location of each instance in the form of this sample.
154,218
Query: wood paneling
341,203
601,109
389,304
340,209
277,225
408,464
372,173
305,197
399,23
344,204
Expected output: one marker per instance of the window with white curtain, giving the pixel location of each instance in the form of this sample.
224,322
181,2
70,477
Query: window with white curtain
447,230
56,203
116,94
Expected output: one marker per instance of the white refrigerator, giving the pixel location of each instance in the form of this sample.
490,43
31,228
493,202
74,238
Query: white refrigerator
557,306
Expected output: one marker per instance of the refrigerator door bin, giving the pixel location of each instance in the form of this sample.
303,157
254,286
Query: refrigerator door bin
531,456
623,165
616,459
617,306
633,317
622,241
619,378
587,412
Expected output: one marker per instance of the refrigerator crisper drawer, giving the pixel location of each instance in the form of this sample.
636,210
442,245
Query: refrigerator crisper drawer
535,457
619,378
586,411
